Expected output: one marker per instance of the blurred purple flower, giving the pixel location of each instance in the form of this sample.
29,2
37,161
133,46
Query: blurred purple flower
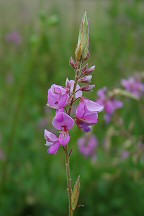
110,103
87,114
14,37
87,145
125,154
134,86
57,97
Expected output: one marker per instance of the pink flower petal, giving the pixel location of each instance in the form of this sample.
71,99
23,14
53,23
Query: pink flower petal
64,138
50,137
63,121
54,148
92,106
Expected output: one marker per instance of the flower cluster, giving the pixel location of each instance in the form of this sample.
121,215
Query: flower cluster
109,102
59,98
134,86
62,98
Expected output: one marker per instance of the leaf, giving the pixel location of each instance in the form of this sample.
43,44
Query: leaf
75,194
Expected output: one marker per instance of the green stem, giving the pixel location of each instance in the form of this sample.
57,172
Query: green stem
69,186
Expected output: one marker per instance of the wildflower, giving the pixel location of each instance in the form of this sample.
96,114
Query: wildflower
63,121
110,103
87,145
14,37
82,49
57,97
87,114
134,86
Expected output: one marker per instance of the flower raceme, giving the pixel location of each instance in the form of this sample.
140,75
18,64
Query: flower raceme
62,99
86,114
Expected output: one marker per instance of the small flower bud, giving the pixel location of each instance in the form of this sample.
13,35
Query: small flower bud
87,88
84,68
86,79
89,70
82,49
72,63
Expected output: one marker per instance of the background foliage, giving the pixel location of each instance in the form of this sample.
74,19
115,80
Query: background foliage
33,182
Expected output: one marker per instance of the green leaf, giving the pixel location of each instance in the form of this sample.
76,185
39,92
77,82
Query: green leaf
75,194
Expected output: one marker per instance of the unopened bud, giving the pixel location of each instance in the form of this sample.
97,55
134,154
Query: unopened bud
72,63
86,79
89,70
82,49
87,88
84,68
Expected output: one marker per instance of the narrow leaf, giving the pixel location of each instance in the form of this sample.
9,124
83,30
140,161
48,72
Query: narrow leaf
75,194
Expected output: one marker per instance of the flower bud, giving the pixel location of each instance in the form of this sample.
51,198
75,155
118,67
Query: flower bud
82,49
73,63
84,68
86,79
89,70
87,88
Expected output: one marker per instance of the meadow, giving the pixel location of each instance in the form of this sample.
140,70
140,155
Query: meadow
37,39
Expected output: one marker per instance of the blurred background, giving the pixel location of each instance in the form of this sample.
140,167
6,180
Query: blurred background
37,39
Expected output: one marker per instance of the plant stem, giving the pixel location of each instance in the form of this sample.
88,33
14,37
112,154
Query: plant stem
69,187
67,157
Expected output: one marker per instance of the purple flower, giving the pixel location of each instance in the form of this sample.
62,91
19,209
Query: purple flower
52,141
134,86
87,145
14,37
63,122
64,138
57,97
87,114
110,103
70,86
125,154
